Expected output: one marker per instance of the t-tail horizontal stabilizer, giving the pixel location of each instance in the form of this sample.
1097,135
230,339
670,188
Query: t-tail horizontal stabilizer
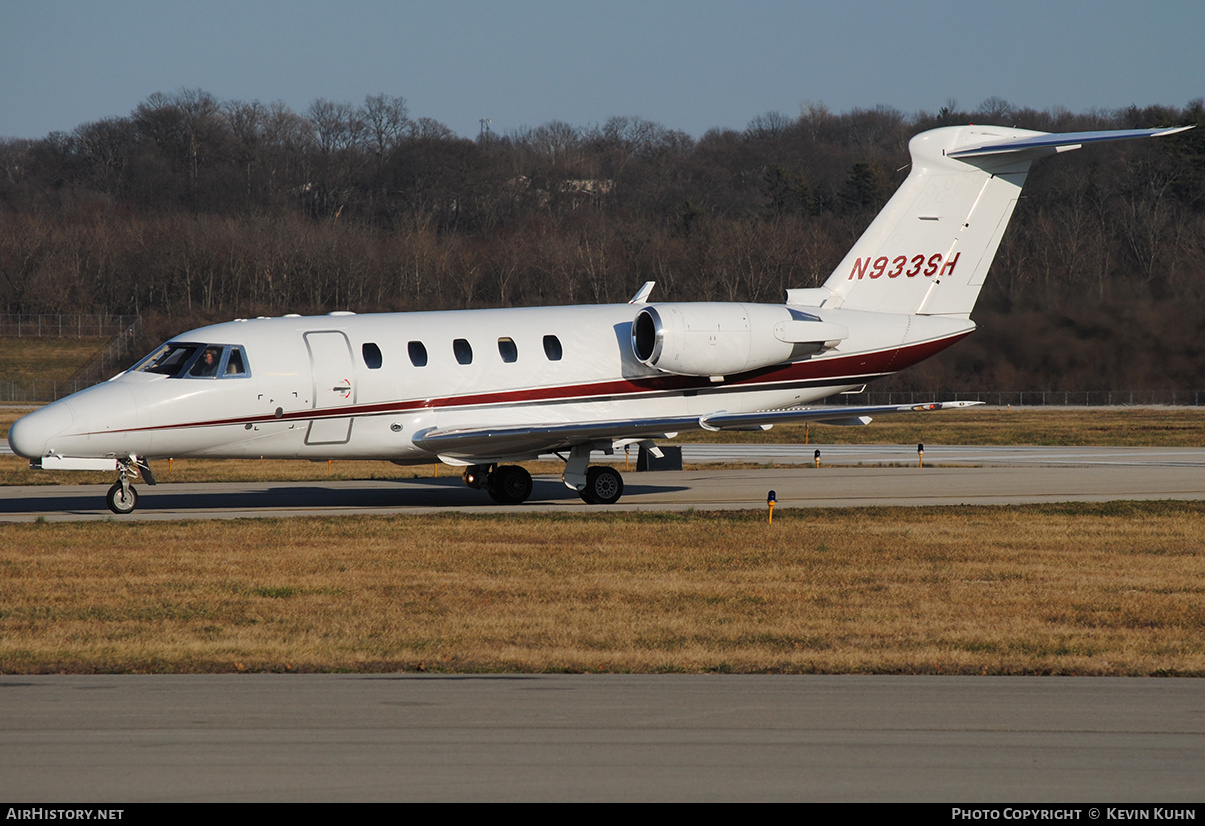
1061,141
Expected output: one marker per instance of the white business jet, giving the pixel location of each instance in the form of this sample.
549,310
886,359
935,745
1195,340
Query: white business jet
483,389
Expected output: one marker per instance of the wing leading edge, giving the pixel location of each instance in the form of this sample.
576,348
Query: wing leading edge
479,444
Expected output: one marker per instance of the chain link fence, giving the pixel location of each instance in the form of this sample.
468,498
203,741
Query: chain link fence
122,330
67,325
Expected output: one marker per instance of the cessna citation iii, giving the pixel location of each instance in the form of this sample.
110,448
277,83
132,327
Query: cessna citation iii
483,389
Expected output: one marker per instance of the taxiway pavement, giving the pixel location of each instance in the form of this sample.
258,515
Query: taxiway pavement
850,475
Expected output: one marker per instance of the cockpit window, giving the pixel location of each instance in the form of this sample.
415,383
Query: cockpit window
196,361
168,360
208,364
236,365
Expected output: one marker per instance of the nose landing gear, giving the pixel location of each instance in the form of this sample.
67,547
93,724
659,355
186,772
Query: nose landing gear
122,497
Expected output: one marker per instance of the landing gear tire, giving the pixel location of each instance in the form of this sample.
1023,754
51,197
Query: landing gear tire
121,500
509,485
604,486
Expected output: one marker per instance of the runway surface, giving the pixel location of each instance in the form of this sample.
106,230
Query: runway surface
849,476
601,737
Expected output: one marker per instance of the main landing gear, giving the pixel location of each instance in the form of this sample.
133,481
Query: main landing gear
122,497
598,484
506,484
511,484
604,486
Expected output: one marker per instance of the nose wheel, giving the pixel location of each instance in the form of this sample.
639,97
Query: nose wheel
122,497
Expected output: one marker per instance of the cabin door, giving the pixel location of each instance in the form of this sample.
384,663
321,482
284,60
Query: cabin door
334,375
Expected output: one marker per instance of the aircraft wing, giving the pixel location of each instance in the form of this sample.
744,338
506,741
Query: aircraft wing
478,444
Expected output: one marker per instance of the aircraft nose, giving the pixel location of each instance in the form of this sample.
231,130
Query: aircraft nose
29,436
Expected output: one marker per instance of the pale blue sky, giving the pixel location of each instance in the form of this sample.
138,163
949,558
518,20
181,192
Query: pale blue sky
688,65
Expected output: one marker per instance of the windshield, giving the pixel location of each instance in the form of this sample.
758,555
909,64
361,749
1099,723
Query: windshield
168,360
195,361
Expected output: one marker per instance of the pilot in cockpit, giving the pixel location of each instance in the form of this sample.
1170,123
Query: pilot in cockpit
207,364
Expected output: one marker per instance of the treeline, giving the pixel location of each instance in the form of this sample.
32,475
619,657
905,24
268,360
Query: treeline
191,209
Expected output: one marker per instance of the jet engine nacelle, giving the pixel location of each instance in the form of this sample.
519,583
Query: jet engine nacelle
714,339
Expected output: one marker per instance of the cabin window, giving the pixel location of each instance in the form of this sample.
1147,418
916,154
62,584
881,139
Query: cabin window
372,355
508,350
418,353
552,348
463,351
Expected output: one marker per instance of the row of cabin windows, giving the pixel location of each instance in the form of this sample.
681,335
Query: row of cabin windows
507,349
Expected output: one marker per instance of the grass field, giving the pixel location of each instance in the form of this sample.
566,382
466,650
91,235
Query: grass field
1112,589
26,359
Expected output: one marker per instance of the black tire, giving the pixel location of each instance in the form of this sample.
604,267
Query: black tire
119,502
510,485
604,485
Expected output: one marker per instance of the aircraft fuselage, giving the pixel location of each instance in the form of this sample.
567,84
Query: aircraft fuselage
353,386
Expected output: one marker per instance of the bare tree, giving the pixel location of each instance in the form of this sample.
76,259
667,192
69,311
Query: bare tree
430,129
336,126
386,120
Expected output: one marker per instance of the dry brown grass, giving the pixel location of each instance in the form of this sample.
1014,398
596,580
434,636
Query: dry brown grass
1075,589
25,359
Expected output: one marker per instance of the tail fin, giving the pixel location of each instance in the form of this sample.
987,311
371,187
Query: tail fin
928,251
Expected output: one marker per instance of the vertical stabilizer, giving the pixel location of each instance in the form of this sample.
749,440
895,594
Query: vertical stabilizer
929,250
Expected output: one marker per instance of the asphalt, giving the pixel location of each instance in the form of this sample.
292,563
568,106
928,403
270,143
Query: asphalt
970,740
848,476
